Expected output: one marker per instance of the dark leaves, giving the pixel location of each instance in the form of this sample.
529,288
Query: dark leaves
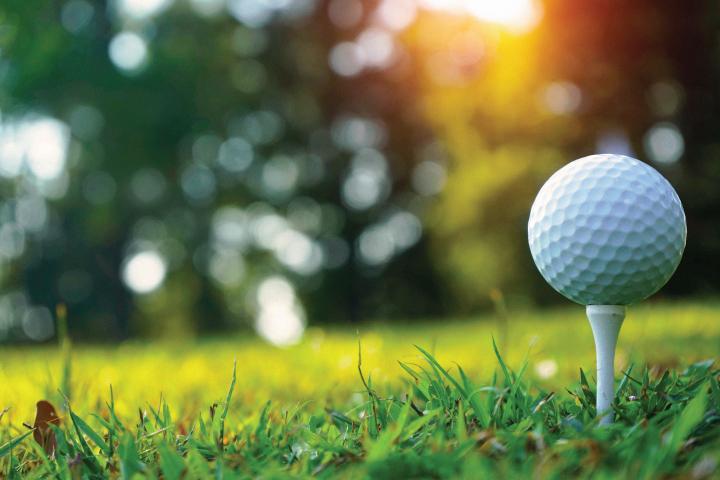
42,432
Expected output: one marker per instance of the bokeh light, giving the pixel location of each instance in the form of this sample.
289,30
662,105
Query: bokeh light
394,234
128,51
562,97
34,143
664,143
208,148
347,59
76,15
429,178
280,319
230,228
141,9
37,324
227,267
367,182
144,272
12,241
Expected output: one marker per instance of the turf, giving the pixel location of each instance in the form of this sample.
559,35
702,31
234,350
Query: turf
525,409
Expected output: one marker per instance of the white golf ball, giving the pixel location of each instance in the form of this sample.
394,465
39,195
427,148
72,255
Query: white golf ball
607,230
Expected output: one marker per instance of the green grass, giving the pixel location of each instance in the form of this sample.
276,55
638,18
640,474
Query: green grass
181,410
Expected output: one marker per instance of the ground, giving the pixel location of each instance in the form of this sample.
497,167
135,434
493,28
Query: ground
169,413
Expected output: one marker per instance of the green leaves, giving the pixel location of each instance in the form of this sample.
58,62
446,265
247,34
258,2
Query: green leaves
466,390
688,419
226,407
130,463
8,446
380,447
84,428
172,465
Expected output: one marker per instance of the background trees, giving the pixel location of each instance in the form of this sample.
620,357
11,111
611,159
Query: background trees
172,167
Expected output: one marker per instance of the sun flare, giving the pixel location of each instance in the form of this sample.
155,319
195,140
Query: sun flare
518,15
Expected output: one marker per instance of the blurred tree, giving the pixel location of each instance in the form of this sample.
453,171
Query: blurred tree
169,167
213,169
511,107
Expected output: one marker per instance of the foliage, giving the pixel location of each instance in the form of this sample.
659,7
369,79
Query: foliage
510,108
224,154
234,150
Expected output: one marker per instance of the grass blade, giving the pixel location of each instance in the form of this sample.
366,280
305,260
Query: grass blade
226,407
7,447
92,434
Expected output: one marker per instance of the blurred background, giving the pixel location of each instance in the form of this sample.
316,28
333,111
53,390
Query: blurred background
170,168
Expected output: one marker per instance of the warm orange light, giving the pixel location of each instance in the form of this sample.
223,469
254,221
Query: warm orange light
518,15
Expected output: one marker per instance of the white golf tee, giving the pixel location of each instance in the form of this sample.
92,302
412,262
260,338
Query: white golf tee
605,321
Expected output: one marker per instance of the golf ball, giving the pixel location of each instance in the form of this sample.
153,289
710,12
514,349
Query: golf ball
607,230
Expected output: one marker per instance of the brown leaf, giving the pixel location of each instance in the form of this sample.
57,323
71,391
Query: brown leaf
43,434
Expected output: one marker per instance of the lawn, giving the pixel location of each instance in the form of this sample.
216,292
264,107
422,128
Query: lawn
305,410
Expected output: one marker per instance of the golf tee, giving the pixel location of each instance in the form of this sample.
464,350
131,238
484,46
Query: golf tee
605,321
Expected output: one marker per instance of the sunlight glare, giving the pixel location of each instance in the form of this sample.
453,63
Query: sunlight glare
519,15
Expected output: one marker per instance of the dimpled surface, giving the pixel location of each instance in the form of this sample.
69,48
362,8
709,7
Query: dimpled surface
607,230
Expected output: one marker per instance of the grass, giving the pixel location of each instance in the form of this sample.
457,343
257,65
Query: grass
179,410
